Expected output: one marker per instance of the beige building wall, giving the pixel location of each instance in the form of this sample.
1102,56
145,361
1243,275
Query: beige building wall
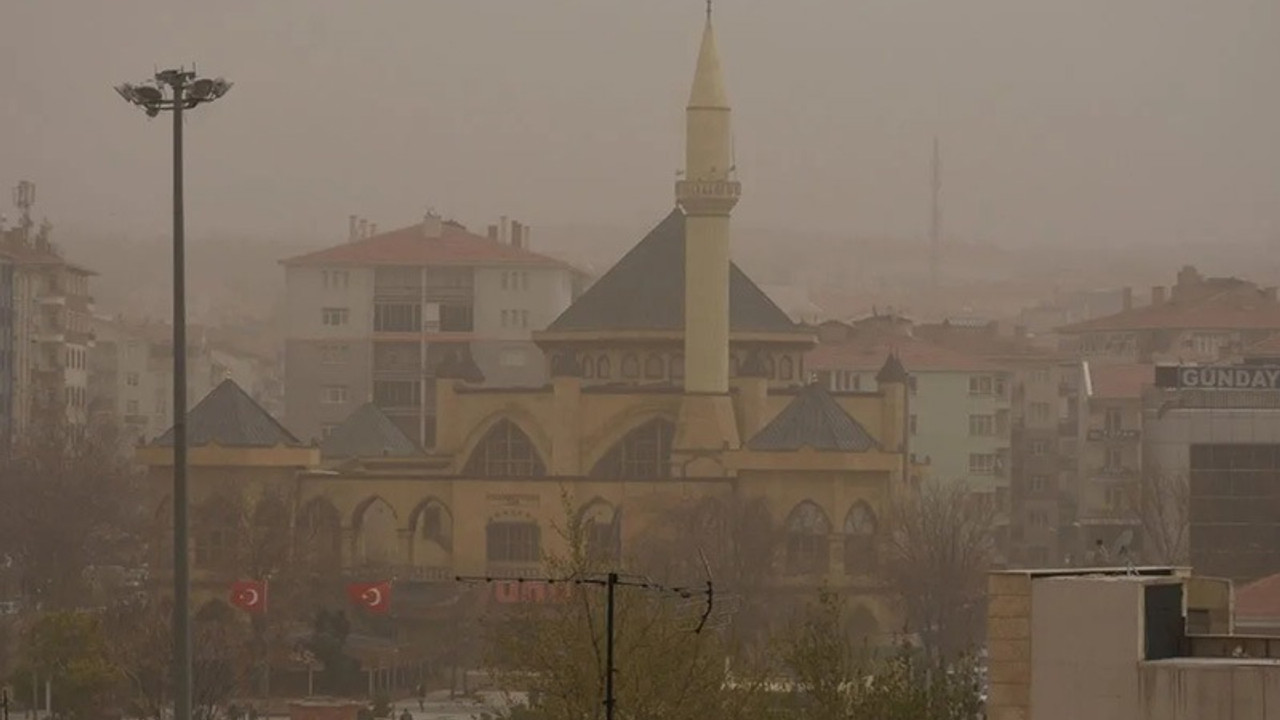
1210,689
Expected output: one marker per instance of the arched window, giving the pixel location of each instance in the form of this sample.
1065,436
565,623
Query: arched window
513,540
677,367
645,452
218,525
653,367
630,366
505,451
770,367
431,530
604,368
376,537
269,541
588,367
319,529
786,368
859,539
808,543
601,531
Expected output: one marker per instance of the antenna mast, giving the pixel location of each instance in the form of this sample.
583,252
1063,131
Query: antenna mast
24,197
935,219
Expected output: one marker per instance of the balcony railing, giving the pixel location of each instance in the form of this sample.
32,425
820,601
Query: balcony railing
1114,434
1115,473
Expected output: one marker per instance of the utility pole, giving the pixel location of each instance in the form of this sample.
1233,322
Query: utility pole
611,581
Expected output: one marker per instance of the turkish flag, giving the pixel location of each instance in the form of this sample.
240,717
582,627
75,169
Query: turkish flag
374,597
249,595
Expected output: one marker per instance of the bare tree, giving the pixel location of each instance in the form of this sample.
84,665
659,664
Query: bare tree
1161,503
939,547
68,501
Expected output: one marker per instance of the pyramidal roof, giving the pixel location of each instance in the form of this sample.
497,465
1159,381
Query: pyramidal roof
645,291
367,433
813,420
227,416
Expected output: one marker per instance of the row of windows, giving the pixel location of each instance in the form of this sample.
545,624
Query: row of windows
335,279
515,280
986,385
515,318
335,316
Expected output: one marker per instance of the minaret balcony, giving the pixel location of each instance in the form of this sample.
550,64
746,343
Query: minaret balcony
708,197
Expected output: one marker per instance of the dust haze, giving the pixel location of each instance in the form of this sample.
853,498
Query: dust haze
1067,127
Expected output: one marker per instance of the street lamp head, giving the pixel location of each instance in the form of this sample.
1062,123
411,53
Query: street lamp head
147,97
207,89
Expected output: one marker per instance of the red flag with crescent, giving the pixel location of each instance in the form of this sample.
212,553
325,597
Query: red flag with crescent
374,597
249,595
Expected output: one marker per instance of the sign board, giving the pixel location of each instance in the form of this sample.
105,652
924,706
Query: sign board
1219,377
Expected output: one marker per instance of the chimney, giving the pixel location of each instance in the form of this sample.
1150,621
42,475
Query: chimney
351,229
493,232
364,228
432,225
517,237
1157,295
503,230
373,229
1127,298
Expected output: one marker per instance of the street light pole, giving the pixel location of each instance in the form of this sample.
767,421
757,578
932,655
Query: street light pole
185,91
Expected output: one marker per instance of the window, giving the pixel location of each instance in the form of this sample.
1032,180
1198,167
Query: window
334,394
630,366
979,385
604,368
516,541
505,451
1039,447
1115,458
131,407
131,379
524,318
653,369
506,280
645,452
982,463
859,539
1114,420
982,425
1040,376
600,528
913,423
506,318
397,317
786,368
397,393
433,524
1038,518
456,318
524,281
808,540
334,317
1040,411
1039,483
333,354
326,430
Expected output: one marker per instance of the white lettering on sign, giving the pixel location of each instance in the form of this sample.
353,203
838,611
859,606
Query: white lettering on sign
1239,378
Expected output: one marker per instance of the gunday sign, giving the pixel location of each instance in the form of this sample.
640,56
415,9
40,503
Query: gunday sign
1233,377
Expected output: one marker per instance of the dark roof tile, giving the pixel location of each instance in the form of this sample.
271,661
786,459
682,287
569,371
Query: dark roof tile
367,433
645,291
227,416
814,420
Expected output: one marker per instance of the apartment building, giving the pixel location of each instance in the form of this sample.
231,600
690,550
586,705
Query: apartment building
370,319
131,373
960,419
51,335
1199,319
7,369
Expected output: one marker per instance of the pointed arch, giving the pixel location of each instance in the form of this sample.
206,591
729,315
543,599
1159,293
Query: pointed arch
601,525
318,534
644,452
604,368
808,534
786,368
375,525
630,366
860,527
654,367
505,450
588,367
431,534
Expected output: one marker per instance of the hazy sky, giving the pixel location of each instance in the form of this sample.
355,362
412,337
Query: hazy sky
1089,120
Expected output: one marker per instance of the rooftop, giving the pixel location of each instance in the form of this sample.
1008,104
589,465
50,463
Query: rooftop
813,419
867,351
367,433
410,246
645,291
228,417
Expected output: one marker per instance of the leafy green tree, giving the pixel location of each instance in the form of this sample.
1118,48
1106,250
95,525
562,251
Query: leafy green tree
70,650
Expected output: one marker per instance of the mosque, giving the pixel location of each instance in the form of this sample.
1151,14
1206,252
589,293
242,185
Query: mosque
678,390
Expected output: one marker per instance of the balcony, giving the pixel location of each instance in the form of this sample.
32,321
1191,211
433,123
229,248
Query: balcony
1115,473
1113,435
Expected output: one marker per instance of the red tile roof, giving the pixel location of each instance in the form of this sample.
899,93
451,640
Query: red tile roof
1260,598
1231,309
1120,381
407,245
868,353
